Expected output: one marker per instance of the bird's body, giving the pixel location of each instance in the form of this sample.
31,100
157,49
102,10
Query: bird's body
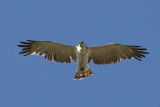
81,54
83,69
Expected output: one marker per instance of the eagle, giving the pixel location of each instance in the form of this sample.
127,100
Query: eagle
81,54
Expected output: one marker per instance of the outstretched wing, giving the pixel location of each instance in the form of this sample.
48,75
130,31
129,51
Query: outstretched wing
114,53
52,50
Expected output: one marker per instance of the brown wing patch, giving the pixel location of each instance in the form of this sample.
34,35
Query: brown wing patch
114,53
52,50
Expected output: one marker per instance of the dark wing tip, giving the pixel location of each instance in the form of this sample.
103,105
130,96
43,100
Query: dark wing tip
134,46
23,45
141,48
139,52
25,42
31,40
26,47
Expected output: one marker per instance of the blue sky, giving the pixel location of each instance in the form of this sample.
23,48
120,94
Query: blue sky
34,82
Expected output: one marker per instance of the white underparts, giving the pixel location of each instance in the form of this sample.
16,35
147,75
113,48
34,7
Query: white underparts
79,49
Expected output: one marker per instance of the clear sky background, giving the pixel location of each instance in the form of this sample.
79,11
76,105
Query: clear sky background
34,82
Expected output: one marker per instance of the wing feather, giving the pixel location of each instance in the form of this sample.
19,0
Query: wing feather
114,53
52,50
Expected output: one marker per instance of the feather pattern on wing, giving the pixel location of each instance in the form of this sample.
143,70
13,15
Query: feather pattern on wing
52,50
114,53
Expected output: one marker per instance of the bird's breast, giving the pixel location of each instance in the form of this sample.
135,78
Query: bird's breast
82,56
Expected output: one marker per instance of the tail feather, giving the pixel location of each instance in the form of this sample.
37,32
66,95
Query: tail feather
81,74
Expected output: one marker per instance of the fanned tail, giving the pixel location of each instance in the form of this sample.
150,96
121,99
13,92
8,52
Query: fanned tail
83,73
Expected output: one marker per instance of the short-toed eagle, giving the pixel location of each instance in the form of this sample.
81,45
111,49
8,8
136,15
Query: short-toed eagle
81,54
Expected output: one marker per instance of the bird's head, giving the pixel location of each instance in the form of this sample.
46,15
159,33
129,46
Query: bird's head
82,44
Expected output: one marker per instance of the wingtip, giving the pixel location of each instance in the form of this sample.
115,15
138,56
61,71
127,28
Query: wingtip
20,45
31,40
134,46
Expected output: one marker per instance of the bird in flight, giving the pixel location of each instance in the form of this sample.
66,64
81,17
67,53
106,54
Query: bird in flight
81,54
